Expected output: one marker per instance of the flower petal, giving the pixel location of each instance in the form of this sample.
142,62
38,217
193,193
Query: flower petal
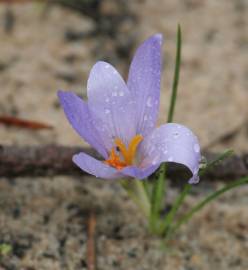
110,104
172,143
139,173
144,83
95,167
77,113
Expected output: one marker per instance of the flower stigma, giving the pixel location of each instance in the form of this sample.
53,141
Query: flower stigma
128,153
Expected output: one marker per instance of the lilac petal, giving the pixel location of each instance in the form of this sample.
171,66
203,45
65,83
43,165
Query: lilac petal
77,113
95,167
172,143
139,173
110,104
144,83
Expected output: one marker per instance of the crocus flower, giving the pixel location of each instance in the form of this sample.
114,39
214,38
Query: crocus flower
119,120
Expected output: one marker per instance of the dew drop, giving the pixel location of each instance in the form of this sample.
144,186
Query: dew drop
170,159
107,66
114,94
145,118
122,109
149,102
196,148
176,135
165,151
107,111
121,94
107,99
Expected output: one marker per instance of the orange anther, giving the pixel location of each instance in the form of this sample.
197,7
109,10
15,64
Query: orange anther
128,154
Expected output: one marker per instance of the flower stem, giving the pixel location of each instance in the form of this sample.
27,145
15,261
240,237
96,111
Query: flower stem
158,193
165,226
137,192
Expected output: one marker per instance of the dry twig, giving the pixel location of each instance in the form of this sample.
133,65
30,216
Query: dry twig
23,123
52,160
91,254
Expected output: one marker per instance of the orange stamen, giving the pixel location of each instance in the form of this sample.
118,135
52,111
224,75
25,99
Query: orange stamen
133,147
128,154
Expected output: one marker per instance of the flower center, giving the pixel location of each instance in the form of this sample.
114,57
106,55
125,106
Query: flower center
127,153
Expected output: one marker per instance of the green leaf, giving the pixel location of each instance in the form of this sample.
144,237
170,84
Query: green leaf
211,197
226,154
176,76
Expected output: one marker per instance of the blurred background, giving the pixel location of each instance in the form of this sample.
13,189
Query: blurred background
51,45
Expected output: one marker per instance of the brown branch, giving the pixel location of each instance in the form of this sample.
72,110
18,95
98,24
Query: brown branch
23,123
51,160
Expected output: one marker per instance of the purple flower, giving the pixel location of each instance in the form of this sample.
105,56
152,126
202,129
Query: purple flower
119,120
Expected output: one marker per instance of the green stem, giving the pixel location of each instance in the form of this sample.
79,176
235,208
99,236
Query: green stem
137,192
176,77
211,197
158,193
170,217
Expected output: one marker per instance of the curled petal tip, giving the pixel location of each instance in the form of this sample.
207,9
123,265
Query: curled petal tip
194,180
173,143
159,37
95,167
60,93
64,95
155,39
101,64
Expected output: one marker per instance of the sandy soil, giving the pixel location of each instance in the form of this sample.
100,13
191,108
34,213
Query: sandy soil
44,220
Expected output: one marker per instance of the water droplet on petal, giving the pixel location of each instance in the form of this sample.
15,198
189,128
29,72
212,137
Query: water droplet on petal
176,135
122,109
107,66
145,118
196,148
121,94
170,159
114,94
107,99
149,102
107,111
165,151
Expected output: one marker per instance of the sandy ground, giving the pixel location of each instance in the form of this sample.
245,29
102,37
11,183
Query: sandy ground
44,220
